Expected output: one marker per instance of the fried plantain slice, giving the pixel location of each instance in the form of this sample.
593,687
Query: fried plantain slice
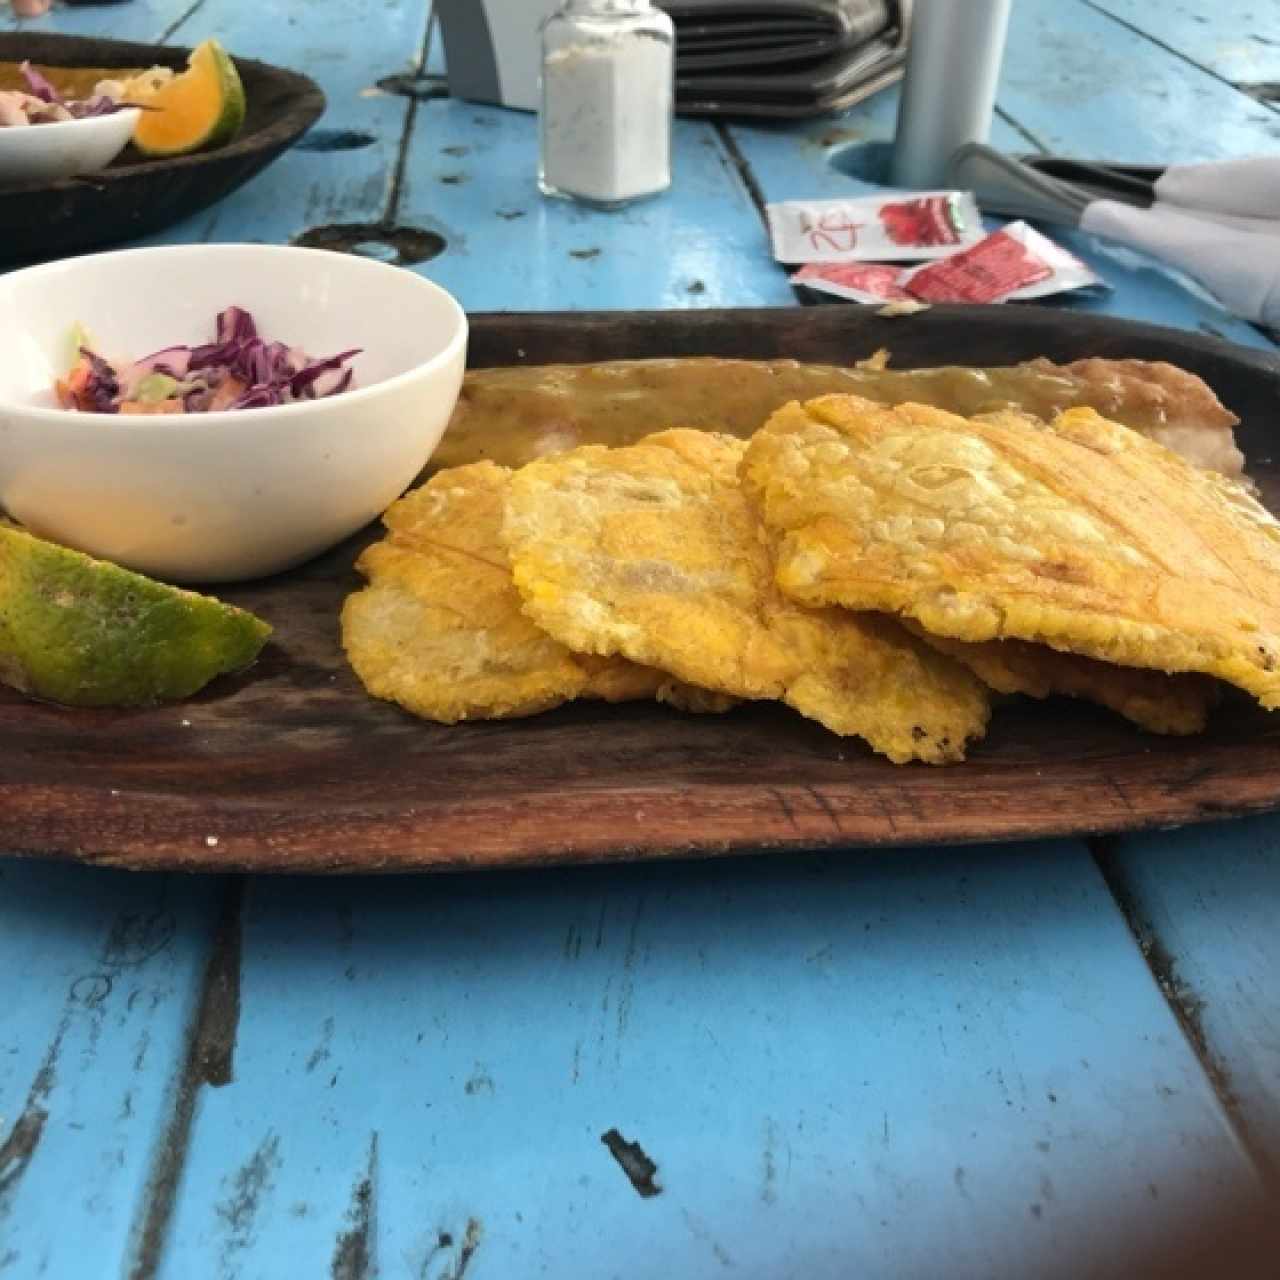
653,552
1079,534
1160,703
440,629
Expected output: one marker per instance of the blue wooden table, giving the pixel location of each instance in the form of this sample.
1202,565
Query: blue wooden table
979,1062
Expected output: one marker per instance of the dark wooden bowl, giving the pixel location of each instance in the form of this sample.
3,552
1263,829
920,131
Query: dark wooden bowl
134,195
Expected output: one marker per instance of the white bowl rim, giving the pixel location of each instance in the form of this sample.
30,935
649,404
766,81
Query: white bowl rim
223,417
132,113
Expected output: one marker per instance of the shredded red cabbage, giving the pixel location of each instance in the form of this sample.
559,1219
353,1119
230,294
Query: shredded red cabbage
102,387
240,370
37,85
77,108
89,108
173,361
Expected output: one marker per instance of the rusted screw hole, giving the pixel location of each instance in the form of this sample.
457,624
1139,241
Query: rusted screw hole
420,87
401,246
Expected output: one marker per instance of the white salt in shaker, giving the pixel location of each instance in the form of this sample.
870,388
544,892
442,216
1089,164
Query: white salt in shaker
608,89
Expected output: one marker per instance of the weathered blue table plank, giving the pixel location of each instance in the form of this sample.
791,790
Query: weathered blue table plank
1238,40
853,1065
1205,901
827,157
100,974
143,20
344,170
841,1066
1075,77
471,176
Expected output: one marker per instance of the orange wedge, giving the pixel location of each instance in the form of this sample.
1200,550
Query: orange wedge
201,108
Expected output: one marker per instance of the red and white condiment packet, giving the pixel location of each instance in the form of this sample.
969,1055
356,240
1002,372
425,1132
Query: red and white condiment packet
898,228
1015,263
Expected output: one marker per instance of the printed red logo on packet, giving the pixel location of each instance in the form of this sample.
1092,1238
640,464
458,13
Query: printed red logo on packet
833,230
928,220
994,268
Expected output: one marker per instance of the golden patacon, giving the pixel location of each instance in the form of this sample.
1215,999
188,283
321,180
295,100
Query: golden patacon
86,633
653,553
202,107
440,630
1078,533
1160,703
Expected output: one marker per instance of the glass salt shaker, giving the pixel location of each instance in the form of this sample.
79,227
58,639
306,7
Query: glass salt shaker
608,93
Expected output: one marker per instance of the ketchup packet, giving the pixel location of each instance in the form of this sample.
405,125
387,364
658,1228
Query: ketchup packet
858,281
1015,263
901,227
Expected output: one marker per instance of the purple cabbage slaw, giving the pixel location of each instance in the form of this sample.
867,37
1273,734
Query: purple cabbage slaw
77,109
264,373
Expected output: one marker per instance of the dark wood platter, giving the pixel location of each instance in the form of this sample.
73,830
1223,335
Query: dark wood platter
134,196
292,767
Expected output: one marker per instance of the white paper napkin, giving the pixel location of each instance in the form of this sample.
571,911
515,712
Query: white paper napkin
1249,187
1224,230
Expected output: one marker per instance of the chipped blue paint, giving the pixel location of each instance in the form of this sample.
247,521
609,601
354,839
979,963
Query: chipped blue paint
1092,82
1207,897
100,977
306,188
840,1065
1238,40
143,20
471,177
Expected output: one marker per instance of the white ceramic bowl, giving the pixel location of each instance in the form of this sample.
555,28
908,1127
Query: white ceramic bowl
216,497
47,152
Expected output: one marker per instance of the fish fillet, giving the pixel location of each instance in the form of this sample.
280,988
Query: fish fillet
653,552
515,415
1078,534
1167,404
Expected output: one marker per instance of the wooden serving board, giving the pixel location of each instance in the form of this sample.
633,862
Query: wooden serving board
292,767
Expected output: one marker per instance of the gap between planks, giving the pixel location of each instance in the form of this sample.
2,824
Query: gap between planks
168,33
742,167
1020,129
1185,1004
1175,52
207,1061
396,188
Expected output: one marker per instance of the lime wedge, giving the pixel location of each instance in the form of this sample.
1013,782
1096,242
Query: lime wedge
201,108
86,633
